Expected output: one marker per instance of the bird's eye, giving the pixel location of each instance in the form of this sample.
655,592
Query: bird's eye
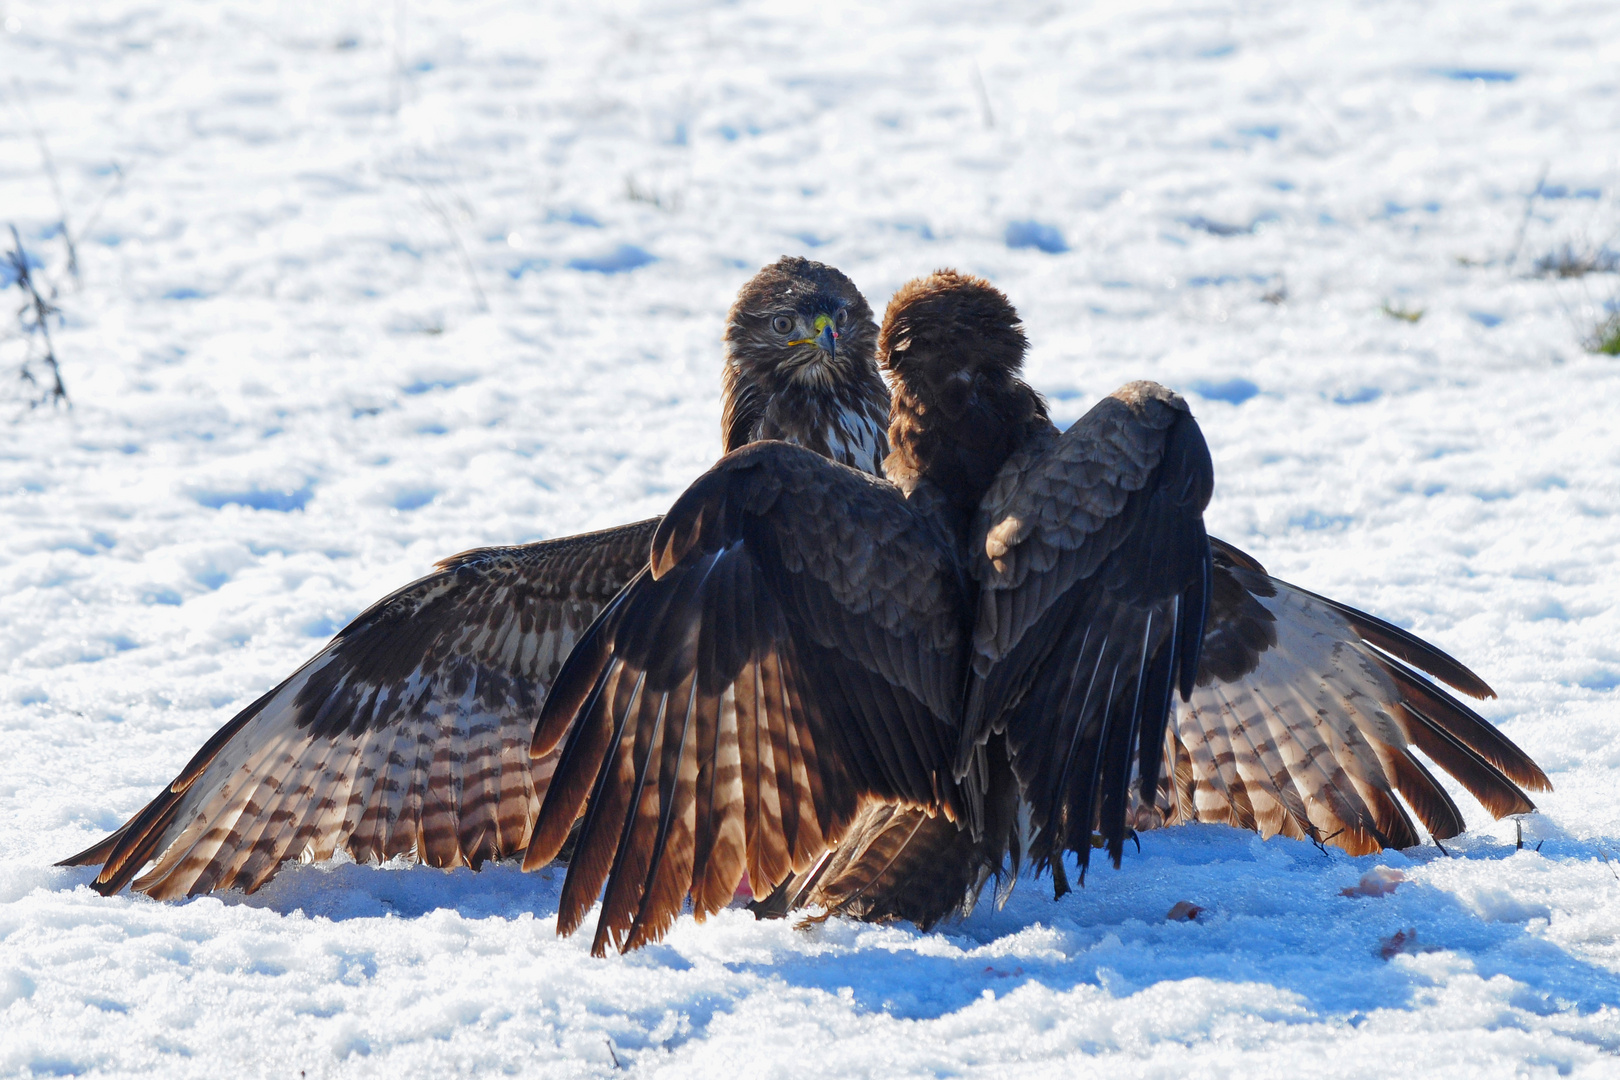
781,324
843,318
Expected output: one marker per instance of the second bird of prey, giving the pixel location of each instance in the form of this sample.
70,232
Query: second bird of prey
873,694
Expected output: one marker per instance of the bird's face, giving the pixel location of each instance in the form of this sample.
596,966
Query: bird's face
801,323
807,338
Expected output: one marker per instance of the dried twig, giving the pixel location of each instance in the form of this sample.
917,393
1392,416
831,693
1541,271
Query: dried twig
121,175
984,97
633,191
34,316
396,70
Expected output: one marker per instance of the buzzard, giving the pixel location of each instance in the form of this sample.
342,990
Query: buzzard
1300,719
409,732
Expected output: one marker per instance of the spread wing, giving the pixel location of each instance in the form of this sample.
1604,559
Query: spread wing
408,734
795,649
1094,573
1306,715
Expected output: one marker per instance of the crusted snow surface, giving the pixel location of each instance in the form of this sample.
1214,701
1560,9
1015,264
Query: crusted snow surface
363,285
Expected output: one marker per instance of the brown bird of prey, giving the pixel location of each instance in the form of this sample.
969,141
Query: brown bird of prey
448,671
802,639
1302,723
409,733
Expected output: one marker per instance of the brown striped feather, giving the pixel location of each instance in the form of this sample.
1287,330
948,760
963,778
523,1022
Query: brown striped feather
407,734
726,698
1344,715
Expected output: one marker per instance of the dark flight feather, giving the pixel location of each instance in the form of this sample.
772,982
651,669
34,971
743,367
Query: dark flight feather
826,657
1304,719
1103,526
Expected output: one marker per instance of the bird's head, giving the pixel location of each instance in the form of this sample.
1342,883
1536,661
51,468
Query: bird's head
800,323
951,342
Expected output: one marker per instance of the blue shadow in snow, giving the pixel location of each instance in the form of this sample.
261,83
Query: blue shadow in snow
620,260
413,500
1495,75
1316,521
1204,281
1282,924
1217,228
575,217
1273,915
422,386
1564,191
1033,234
257,498
524,267
1236,391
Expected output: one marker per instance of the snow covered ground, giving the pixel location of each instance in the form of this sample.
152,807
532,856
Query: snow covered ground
367,284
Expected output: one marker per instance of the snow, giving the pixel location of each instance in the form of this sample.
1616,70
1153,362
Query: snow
365,285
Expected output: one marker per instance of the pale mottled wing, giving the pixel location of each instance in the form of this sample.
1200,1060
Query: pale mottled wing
1305,717
799,651
1094,571
408,734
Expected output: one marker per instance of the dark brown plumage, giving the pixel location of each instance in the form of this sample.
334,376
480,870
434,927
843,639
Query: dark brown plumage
1090,561
408,734
803,639
1303,724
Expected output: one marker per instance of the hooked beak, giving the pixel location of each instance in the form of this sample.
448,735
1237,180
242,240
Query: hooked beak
828,339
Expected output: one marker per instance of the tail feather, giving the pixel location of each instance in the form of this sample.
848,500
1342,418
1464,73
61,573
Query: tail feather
126,851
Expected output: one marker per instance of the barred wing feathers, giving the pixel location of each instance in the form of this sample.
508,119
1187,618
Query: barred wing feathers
1305,719
408,734
795,650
